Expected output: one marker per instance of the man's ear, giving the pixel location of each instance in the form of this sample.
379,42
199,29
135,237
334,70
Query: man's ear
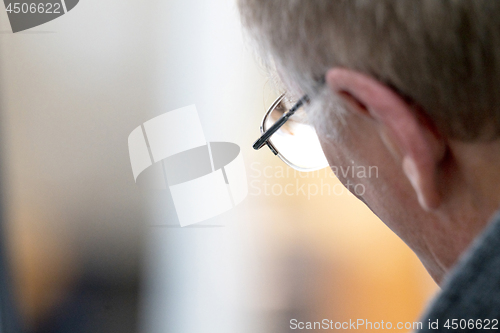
401,129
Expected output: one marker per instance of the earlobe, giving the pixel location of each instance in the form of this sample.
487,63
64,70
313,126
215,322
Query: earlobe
411,141
427,193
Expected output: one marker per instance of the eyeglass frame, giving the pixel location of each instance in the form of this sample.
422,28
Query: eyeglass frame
263,140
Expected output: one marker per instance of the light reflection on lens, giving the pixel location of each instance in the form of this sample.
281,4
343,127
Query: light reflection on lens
296,141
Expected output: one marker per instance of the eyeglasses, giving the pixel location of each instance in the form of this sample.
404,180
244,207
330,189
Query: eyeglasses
293,140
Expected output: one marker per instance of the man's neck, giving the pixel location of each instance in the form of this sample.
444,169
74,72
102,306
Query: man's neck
473,180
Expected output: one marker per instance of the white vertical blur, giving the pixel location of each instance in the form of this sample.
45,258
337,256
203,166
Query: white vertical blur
195,279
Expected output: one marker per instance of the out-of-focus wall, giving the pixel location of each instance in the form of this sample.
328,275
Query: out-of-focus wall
72,91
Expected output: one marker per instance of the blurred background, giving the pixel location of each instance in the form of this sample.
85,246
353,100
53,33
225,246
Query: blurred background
87,250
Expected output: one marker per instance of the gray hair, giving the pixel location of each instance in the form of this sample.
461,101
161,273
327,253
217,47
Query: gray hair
442,55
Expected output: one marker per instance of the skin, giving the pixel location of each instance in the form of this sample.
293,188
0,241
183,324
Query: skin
436,194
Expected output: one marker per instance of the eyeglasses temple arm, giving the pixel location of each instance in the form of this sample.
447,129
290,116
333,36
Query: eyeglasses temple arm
276,126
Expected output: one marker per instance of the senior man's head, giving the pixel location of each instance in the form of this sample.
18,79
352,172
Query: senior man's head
408,86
